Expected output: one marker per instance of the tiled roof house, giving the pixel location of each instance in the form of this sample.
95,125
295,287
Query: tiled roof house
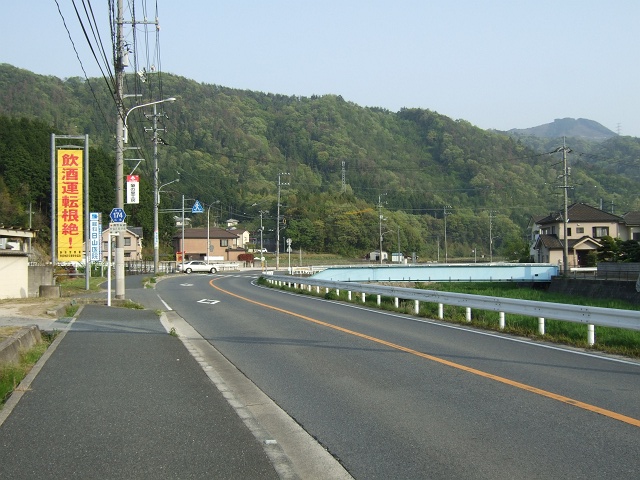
585,226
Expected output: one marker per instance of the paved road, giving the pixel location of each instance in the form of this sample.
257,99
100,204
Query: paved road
393,397
116,397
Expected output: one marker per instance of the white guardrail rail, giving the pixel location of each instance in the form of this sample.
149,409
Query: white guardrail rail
591,316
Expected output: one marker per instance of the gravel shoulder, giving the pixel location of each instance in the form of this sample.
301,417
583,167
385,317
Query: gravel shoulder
19,312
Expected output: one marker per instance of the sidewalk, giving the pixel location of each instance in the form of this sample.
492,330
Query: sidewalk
120,398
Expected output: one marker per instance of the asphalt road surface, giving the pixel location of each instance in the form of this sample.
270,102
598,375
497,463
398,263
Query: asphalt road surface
395,396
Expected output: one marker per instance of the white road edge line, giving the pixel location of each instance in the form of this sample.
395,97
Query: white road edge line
293,452
443,324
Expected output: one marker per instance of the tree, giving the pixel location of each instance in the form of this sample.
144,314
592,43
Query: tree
610,249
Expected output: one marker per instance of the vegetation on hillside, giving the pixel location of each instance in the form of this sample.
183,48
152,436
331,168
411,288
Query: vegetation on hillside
407,173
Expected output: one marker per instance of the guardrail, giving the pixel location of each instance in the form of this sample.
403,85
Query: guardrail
224,266
591,316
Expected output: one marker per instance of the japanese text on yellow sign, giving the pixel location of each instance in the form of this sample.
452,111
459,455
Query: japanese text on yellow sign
70,231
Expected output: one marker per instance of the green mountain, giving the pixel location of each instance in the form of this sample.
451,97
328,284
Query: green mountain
567,127
417,175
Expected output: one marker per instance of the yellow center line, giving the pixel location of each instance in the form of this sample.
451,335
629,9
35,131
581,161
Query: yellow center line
576,403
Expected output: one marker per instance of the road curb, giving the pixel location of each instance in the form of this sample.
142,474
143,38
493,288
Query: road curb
23,339
293,452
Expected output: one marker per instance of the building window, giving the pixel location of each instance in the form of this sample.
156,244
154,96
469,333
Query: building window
224,242
636,236
579,229
568,232
600,232
127,241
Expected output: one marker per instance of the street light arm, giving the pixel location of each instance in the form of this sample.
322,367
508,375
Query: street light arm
125,135
168,183
160,189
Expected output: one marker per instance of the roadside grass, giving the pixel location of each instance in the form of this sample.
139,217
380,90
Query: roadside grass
610,340
130,304
76,287
71,310
71,287
11,374
6,332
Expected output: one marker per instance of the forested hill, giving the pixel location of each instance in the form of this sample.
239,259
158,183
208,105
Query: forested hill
230,145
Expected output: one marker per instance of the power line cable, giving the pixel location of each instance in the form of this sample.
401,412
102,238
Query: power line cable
93,93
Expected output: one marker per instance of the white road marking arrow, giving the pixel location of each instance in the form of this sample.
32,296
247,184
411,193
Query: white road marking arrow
208,302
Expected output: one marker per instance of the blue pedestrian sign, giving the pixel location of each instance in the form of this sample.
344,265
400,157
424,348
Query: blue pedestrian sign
197,208
117,215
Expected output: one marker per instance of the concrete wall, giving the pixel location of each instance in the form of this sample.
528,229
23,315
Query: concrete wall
459,272
39,275
14,279
625,268
606,289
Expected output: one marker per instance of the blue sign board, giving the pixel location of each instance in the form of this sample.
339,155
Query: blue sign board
197,207
117,215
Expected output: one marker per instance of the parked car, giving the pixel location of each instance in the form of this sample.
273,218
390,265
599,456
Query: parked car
197,266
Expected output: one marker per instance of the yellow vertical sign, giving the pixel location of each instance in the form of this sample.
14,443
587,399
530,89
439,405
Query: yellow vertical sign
69,212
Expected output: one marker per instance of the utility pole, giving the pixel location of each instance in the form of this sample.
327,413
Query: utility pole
491,236
156,234
446,251
565,216
280,184
380,223
120,62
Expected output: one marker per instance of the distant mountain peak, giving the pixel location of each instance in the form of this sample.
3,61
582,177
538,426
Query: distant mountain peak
567,127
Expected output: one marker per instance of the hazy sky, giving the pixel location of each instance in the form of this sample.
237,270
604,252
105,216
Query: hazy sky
495,63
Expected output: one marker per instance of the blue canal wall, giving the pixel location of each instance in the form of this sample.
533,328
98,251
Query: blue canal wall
460,272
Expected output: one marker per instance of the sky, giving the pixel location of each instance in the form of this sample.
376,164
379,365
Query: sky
498,64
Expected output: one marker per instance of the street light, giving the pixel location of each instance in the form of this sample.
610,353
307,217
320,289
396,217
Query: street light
122,138
208,241
262,212
156,189
125,127
156,235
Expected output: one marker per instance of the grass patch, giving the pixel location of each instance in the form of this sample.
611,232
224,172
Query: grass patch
521,292
70,287
71,310
6,332
11,374
131,304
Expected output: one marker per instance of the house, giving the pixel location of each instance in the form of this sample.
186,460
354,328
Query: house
132,244
585,226
224,245
632,220
243,236
375,256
